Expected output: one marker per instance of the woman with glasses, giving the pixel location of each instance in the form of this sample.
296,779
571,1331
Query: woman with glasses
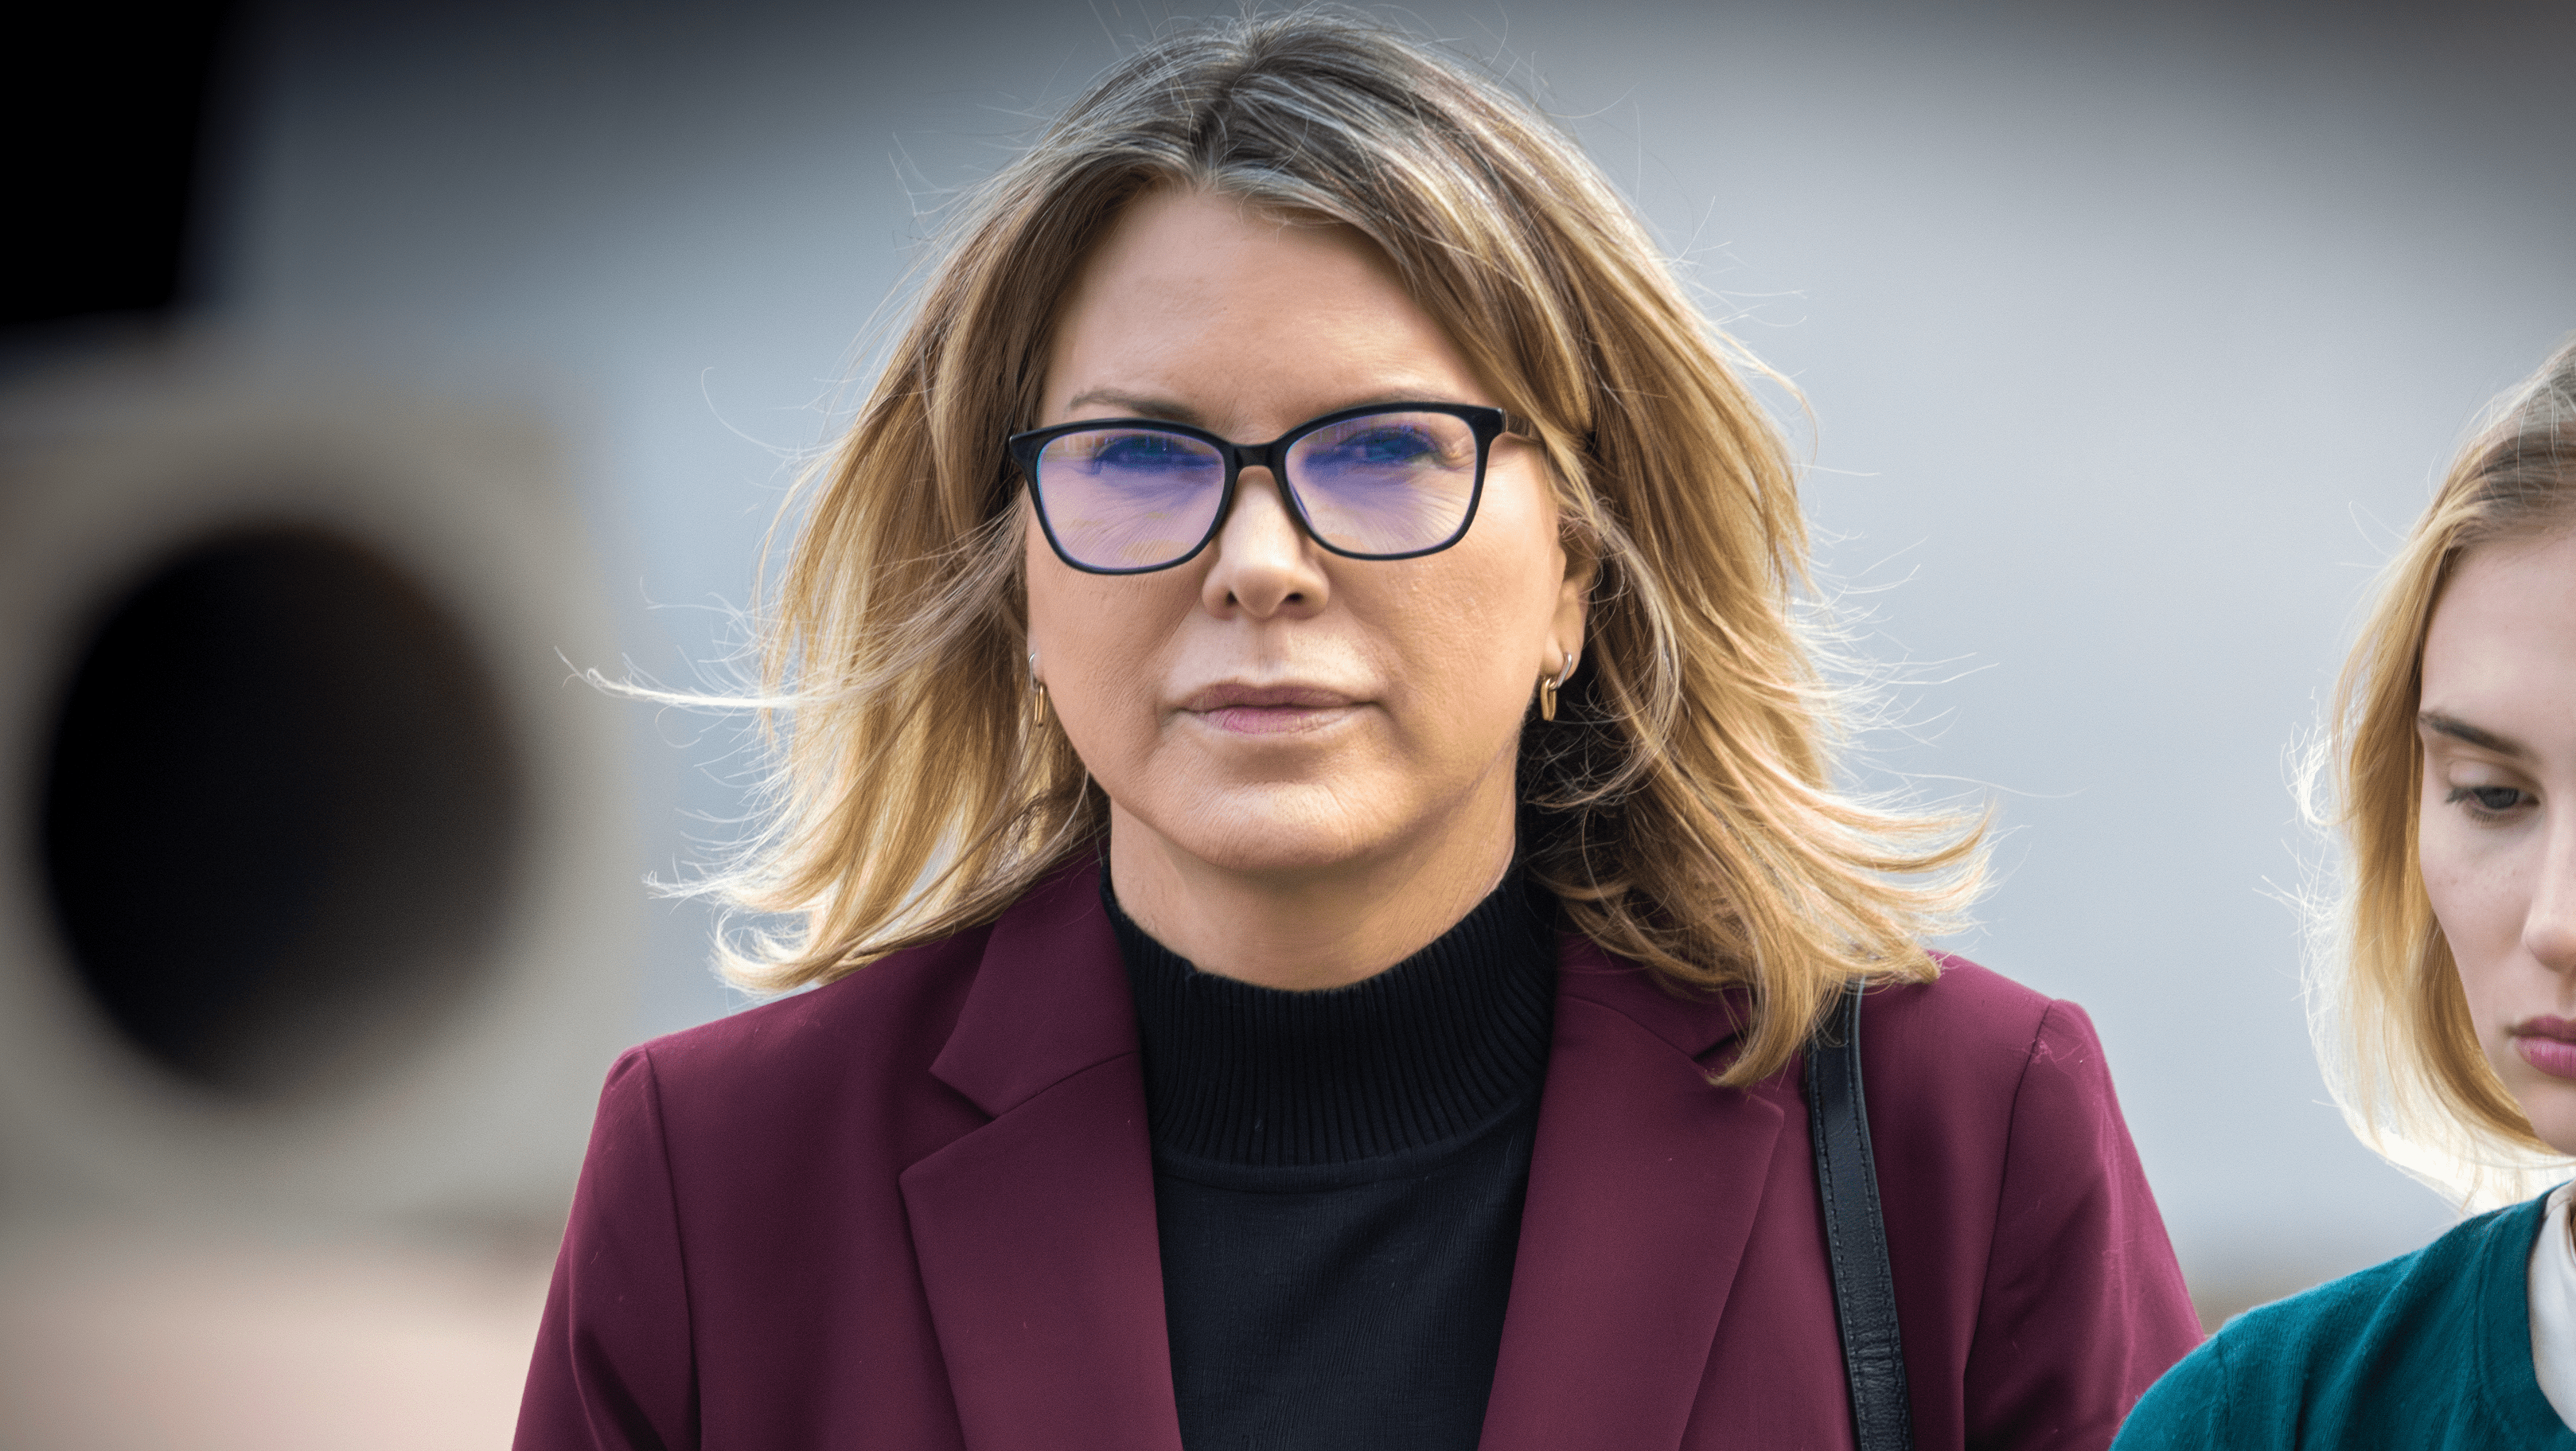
1310,832
2448,983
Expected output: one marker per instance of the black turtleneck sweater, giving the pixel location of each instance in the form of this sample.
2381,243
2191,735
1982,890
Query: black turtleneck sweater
1338,1179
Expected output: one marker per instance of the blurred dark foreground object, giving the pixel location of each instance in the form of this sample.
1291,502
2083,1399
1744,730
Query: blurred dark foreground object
317,901
316,884
276,753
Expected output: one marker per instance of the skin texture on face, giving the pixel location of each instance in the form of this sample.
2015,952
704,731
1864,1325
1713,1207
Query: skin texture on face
1309,758
2497,837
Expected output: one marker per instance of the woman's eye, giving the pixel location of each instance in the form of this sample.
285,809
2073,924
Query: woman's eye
1395,443
1384,447
1145,451
2488,800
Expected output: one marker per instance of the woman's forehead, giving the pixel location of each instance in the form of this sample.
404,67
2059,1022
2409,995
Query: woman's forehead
1203,309
1202,260
2501,648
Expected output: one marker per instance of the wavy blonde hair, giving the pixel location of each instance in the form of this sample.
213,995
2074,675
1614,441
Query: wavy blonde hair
2390,1019
1682,805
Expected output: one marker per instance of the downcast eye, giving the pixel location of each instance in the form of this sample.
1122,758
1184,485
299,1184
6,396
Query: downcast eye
2489,800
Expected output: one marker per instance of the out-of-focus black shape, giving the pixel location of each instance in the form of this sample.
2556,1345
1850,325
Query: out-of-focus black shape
279,812
104,106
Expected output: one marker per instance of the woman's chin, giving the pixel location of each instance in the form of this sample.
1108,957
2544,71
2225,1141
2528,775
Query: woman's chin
2547,1099
2551,1106
1278,828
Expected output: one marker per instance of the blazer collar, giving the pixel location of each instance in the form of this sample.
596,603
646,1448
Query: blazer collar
1035,1233
1644,1186
1050,998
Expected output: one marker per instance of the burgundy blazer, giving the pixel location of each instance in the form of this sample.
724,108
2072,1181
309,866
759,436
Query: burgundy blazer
916,1209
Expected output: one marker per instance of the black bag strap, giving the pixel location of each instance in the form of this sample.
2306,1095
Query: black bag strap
1856,1234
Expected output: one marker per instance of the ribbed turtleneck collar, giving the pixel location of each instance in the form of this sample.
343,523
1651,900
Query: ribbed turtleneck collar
1424,1054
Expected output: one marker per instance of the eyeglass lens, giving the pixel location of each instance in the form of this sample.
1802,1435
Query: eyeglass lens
1132,498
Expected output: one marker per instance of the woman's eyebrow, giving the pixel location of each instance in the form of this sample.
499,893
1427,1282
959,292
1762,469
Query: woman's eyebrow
2442,724
1142,405
1134,405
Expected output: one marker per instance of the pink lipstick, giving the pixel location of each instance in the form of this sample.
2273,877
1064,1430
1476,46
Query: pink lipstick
2548,1044
1267,710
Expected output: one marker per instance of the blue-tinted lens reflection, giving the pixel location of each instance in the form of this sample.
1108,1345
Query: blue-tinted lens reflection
1129,498
1386,483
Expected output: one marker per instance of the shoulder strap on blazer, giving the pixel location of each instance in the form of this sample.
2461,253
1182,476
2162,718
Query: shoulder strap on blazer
1855,1234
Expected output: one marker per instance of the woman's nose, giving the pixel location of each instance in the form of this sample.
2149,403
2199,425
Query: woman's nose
2549,925
1265,565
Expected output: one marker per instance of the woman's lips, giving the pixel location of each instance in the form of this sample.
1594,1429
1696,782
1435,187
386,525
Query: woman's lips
2548,1044
1268,710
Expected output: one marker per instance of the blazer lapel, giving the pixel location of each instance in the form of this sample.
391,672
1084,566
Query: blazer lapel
1644,1184
1036,1232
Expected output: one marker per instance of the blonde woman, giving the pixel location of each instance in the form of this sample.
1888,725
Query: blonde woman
1318,869
2451,998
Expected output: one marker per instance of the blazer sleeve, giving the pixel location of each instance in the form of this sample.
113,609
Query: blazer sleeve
2083,1305
614,1369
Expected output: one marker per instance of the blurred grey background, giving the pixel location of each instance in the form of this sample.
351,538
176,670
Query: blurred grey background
2132,335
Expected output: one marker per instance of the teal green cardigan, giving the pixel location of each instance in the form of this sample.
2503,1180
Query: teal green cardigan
2431,1349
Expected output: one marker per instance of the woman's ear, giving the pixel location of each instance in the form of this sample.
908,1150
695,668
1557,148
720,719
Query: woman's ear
1573,604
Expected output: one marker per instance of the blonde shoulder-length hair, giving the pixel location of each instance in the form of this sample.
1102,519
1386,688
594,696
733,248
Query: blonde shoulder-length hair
1682,805
2390,1019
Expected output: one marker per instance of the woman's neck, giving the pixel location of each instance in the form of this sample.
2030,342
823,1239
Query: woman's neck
1308,927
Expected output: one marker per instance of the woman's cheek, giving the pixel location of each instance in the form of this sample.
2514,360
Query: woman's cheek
1099,643
2472,889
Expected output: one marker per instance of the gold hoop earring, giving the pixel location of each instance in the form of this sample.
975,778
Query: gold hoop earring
1037,691
1547,689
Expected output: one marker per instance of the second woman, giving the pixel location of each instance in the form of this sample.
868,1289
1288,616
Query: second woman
2450,988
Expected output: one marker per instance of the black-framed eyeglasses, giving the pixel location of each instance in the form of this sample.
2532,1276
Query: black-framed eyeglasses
1385,481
